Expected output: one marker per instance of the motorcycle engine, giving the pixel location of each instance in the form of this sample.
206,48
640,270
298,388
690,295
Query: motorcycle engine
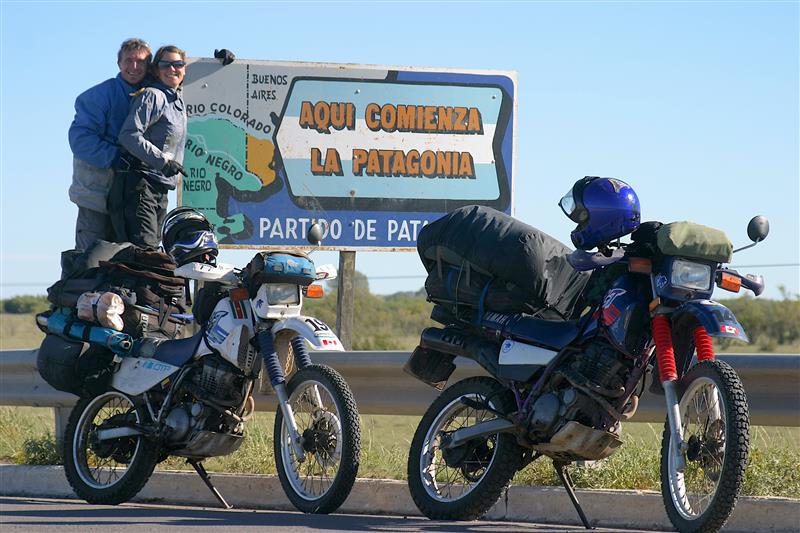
581,390
214,387
219,381
183,418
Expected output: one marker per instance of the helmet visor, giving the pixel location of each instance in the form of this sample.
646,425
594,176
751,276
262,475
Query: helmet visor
567,204
574,210
572,204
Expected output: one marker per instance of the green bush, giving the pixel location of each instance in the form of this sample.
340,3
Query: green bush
40,451
25,304
770,324
391,322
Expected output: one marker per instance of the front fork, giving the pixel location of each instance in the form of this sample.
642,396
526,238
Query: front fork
277,378
667,370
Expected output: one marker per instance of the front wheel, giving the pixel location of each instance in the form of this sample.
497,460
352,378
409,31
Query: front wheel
715,425
327,419
107,470
462,483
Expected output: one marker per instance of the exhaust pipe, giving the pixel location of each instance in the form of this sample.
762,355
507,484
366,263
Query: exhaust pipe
456,342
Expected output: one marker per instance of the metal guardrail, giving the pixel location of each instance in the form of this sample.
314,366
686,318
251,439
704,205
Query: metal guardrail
380,386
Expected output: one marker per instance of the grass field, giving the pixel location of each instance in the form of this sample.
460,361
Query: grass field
26,436
774,469
19,332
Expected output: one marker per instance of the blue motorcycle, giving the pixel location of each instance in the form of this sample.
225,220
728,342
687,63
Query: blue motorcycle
562,377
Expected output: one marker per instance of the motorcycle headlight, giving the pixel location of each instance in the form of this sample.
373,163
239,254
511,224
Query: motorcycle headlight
690,275
283,294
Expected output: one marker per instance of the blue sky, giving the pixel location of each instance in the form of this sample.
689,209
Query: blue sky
695,104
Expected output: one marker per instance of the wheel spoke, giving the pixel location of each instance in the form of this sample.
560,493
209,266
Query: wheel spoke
318,422
102,464
443,482
704,418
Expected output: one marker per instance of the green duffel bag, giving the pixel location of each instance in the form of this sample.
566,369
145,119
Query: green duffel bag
688,239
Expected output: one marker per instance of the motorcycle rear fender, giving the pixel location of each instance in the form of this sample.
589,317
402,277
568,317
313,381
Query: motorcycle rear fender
316,332
718,320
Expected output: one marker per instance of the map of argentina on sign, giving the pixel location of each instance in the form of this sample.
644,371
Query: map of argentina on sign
372,153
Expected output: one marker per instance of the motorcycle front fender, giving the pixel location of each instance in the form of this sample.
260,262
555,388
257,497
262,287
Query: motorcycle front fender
316,332
718,320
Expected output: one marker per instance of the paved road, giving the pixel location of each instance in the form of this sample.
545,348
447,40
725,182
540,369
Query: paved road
50,516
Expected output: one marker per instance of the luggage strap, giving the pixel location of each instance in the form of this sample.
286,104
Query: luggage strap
85,333
481,301
164,311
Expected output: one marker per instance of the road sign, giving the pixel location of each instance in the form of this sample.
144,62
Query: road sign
374,153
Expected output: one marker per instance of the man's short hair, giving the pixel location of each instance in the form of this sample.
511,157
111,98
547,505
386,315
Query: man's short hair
134,45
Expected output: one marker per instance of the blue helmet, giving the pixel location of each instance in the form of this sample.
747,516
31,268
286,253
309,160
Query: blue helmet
188,237
604,208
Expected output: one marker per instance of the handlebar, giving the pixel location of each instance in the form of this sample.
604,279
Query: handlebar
751,282
754,283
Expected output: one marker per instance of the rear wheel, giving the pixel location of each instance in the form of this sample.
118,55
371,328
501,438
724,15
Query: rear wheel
464,482
715,426
107,470
327,419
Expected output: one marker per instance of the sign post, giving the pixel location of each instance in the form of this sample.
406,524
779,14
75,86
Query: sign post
346,299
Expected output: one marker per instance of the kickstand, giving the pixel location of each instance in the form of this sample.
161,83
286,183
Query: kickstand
201,471
566,480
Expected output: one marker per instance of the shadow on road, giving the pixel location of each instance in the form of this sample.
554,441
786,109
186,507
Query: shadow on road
40,514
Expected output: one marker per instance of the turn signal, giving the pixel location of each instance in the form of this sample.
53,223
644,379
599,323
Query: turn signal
729,282
640,265
315,291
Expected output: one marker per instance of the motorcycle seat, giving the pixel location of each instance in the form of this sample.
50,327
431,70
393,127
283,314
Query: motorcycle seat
552,333
177,352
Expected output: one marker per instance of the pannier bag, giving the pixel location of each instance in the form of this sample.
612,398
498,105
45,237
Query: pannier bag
687,239
478,257
74,366
278,267
144,279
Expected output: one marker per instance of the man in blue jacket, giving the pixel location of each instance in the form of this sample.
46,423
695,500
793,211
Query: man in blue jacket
99,114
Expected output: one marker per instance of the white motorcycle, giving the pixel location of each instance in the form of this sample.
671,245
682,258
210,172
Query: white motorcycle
192,397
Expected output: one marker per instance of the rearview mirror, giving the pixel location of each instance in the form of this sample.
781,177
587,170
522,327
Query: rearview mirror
758,228
314,235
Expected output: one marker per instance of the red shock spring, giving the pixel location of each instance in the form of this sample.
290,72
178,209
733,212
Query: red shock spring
702,341
665,354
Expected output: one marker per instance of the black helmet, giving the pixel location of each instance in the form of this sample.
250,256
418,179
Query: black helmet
188,237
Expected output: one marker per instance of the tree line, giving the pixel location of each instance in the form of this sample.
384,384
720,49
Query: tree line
394,322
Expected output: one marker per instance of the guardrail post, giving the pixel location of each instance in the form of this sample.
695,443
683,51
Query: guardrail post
62,417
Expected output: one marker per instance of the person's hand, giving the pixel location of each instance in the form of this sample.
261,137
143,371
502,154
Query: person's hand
173,167
224,55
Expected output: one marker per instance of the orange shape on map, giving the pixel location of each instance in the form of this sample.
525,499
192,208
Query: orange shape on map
259,156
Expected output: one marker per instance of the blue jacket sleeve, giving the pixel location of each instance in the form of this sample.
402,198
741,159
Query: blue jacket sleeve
88,137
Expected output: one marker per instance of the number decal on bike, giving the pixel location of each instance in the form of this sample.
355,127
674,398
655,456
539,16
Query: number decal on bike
318,325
